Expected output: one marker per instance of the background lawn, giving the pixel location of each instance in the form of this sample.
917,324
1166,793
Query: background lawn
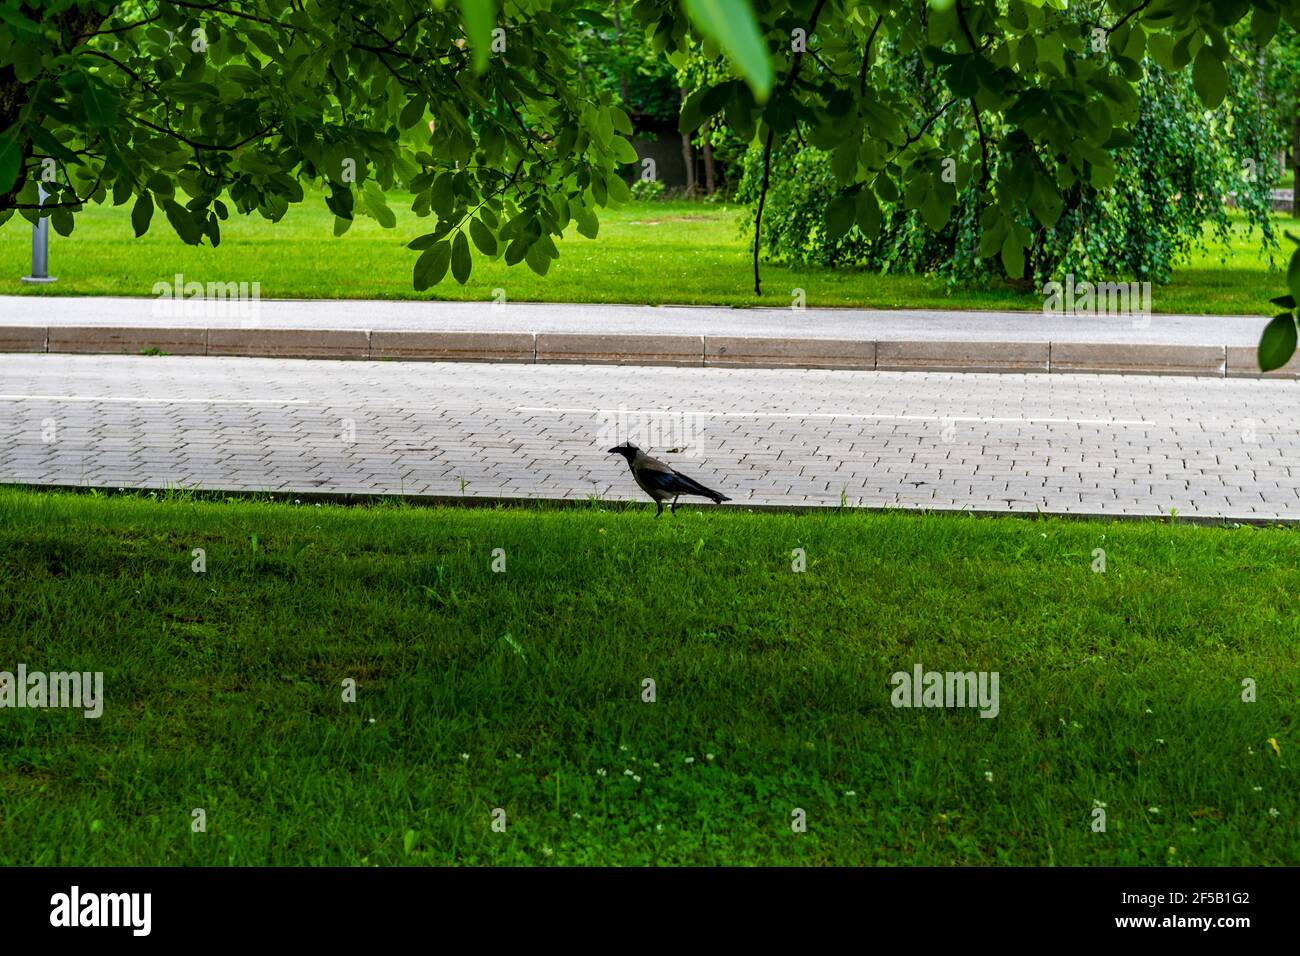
521,690
650,252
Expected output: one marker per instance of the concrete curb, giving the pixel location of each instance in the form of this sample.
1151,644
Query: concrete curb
1211,361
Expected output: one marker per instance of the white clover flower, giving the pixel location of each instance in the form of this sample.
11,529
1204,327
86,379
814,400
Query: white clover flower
1160,740
690,760
1258,789
659,828
1273,812
1153,809
850,793
464,757
708,756
600,772
627,773
547,851
636,778
988,775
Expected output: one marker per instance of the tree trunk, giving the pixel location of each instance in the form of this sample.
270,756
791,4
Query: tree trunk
688,157
709,183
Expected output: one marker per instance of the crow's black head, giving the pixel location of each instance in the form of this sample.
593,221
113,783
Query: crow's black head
627,450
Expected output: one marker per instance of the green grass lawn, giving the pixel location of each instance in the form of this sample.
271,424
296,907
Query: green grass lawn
522,690
654,252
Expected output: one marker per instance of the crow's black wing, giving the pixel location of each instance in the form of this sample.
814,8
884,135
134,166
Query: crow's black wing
679,484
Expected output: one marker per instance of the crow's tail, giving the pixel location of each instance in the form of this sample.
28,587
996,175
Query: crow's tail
689,486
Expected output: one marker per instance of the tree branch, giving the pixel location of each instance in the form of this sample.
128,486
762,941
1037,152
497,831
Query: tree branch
866,56
194,143
1128,16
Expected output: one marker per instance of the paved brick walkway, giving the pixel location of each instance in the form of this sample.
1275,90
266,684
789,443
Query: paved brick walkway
1074,444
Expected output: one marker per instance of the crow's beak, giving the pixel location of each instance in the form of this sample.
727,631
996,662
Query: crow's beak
614,451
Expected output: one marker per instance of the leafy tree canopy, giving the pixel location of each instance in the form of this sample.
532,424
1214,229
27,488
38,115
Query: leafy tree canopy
181,105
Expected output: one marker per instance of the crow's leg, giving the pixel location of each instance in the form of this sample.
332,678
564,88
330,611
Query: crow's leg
674,508
660,505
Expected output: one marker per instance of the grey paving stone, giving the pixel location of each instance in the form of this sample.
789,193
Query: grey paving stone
1084,443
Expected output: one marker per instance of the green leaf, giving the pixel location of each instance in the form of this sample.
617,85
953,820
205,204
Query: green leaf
619,191
461,263
423,242
1161,46
412,113
340,200
1210,78
341,225
379,209
11,160
692,114
624,151
868,213
1013,257
62,220
141,213
1263,24
844,161
537,258
840,214
183,222
934,210
442,195
1045,201
432,265
731,24
483,238
50,144
588,224
622,123
1293,274
480,17
604,125
516,251
100,103
1277,344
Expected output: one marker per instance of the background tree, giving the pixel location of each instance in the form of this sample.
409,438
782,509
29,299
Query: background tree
1170,183
1044,93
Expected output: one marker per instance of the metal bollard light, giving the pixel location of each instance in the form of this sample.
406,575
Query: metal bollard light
40,247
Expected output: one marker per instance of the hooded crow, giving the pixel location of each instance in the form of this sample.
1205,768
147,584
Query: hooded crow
661,482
